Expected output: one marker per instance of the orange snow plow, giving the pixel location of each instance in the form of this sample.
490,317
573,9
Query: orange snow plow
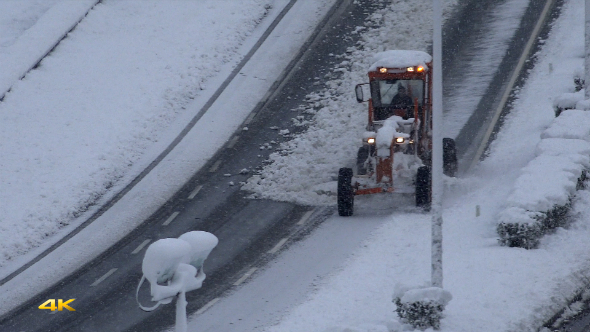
396,155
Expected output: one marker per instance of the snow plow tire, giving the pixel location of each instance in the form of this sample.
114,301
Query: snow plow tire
450,163
423,187
345,192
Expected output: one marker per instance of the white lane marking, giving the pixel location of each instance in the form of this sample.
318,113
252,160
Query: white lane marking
138,249
245,276
305,217
207,306
233,142
250,118
215,166
278,246
511,83
195,192
169,220
101,279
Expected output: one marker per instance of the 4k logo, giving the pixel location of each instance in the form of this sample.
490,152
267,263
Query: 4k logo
50,305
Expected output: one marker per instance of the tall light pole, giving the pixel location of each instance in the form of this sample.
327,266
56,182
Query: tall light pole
587,52
437,153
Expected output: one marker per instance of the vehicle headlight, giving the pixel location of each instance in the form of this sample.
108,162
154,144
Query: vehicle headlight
400,140
371,140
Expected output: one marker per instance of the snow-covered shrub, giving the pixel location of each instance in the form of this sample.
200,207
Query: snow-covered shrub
422,307
570,100
543,192
567,101
522,233
572,124
579,81
583,105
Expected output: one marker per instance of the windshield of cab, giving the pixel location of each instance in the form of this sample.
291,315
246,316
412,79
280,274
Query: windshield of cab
391,95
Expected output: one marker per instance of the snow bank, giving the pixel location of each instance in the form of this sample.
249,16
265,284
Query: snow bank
107,101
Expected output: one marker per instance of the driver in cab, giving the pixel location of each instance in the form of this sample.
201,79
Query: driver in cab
401,100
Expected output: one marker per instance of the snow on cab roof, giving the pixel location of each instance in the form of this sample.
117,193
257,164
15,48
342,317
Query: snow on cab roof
400,59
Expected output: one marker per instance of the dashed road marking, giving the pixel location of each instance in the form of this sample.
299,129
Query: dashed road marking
101,279
207,306
305,217
195,192
169,220
233,142
278,246
245,276
138,249
215,166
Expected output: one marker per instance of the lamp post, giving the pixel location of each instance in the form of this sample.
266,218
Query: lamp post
174,267
587,51
437,148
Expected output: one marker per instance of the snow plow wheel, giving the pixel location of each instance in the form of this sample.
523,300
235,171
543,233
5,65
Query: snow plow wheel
423,187
345,192
450,164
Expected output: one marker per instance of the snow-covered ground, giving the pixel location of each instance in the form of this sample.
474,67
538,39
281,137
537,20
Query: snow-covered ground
74,128
111,97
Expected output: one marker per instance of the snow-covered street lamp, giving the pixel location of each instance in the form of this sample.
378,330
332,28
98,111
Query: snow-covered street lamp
174,267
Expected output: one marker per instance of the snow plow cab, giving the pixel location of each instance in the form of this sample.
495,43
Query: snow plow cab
396,152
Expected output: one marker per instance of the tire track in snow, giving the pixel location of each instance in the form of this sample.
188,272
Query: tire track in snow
52,46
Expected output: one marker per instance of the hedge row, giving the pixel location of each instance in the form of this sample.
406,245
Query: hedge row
543,193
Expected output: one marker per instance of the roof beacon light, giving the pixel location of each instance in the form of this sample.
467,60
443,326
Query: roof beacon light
410,69
383,70
420,69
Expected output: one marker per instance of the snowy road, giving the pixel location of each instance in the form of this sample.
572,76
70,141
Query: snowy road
167,212
219,207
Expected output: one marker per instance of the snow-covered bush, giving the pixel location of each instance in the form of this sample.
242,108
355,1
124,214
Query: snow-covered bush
524,233
421,307
567,101
543,192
